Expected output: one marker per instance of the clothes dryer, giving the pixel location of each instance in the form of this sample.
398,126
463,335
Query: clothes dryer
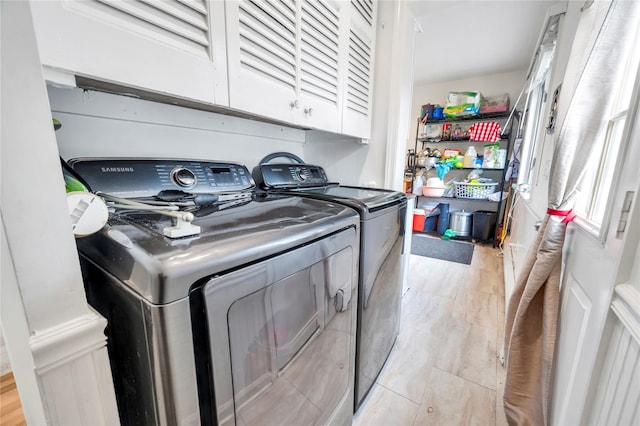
382,224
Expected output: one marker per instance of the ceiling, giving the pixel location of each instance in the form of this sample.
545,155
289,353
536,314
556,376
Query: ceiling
461,39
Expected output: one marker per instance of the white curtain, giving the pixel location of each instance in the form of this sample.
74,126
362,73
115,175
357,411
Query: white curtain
532,311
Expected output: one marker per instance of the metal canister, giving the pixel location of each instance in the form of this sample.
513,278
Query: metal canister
460,221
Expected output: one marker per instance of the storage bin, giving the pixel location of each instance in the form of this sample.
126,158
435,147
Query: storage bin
462,104
483,224
460,222
443,219
426,112
494,105
430,191
434,187
431,220
475,191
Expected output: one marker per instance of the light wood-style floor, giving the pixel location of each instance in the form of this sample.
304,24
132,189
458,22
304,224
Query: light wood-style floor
444,368
10,408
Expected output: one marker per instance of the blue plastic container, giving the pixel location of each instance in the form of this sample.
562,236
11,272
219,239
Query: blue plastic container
443,219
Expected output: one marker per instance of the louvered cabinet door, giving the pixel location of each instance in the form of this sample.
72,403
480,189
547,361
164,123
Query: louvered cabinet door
323,32
170,47
262,56
358,88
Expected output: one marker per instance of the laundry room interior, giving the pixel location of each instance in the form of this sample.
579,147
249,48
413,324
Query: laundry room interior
303,212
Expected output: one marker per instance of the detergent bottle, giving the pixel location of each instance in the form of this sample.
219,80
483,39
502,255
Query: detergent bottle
469,157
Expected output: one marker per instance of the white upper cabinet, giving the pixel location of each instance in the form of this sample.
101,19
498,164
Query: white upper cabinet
359,82
285,60
308,63
322,33
170,47
262,57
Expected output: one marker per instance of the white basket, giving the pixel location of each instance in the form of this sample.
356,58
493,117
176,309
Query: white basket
474,191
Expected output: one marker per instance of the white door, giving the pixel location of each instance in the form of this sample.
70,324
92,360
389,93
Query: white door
594,276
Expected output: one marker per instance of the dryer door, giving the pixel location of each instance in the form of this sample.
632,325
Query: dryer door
282,336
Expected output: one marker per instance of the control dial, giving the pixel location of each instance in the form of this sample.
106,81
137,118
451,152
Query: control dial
184,178
302,175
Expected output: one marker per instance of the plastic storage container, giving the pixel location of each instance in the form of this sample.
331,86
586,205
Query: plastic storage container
469,157
419,215
460,221
483,224
443,219
430,191
474,191
431,220
434,187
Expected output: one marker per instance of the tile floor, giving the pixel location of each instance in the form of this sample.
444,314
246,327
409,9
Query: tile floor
444,368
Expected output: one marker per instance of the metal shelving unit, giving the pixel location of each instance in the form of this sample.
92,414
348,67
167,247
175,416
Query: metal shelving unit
497,174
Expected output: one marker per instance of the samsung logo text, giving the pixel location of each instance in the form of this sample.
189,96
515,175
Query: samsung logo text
117,170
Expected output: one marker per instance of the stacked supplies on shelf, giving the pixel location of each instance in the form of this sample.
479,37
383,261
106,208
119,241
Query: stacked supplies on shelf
486,131
460,104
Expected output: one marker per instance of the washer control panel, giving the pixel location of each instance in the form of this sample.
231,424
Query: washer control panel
145,177
184,177
293,175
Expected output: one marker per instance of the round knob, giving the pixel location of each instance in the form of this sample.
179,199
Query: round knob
308,111
294,104
183,177
302,176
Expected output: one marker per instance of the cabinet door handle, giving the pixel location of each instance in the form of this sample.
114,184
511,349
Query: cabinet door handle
294,104
308,111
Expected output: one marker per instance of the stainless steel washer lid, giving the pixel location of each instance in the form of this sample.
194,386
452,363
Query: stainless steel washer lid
366,200
133,248
312,180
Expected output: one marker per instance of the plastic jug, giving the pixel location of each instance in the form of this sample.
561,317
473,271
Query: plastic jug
418,183
469,157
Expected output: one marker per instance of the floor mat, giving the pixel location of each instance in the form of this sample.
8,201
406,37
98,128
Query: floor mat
452,251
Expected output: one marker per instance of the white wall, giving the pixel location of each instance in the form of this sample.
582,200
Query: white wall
98,124
403,78
345,160
490,85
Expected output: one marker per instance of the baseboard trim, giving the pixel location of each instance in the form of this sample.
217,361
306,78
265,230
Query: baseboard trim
509,281
509,271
